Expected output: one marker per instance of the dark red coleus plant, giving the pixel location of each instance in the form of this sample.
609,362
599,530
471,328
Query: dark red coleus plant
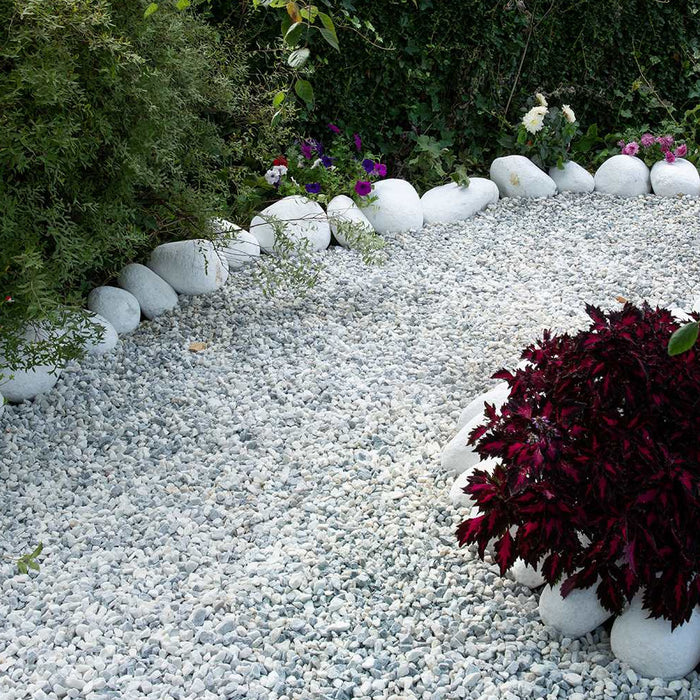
599,475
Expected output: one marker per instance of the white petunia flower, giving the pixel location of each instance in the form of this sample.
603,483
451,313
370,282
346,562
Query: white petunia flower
272,177
541,99
533,121
568,113
281,169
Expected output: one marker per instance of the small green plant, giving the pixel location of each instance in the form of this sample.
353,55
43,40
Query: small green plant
433,162
29,561
367,243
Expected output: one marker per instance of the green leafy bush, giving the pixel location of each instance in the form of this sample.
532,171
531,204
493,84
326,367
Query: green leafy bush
117,132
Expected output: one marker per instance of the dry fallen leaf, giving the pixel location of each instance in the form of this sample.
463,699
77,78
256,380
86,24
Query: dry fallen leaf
197,347
622,300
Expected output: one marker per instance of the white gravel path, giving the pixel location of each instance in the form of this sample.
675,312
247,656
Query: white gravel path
268,519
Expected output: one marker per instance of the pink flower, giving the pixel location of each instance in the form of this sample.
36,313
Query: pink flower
621,143
358,141
631,149
363,188
670,158
665,142
681,151
334,128
647,140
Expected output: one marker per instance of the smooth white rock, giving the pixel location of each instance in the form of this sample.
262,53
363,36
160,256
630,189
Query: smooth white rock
190,267
496,396
397,207
237,245
2,405
527,575
26,384
577,614
303,219
110,337
671,179
679,314
154,295
696,304
651,648
458,456
458,498
572,178
449,203
518,176
119,307
342,211
625,176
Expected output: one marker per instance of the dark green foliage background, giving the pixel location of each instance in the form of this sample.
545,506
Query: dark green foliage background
453,64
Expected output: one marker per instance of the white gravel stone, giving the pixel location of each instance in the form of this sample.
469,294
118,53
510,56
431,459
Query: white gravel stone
342,211
518,176
450,203
397,207
572,178
624,176
190,267
527,575
119,307
302,218
577,614
496,396
651,648
673,179
154,295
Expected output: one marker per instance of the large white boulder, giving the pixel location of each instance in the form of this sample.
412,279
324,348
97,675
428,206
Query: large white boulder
572,178
496,396
671,179
451,202
458,498
343,213
237,245
119,307
696,304
190,267
651,648
154,295
517,176
397,207
302,218
527,575
109,339
577,614
625,176
22,385
458,456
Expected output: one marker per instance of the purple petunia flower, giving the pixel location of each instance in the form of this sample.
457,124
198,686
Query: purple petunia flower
631,149
306,150
318,146
647,140
334,128
327,161
380,169
313,187
670,158
363,188
665,142
368,165
681,151
358,141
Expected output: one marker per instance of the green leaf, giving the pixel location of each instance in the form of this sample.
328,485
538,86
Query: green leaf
276,119
298,57
309,14
150,9
305,91
182,4
328,32
293,34
279,98
38,550
683,339
22,567
33,565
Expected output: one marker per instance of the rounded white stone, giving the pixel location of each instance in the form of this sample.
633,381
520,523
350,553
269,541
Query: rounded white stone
458,498
237,246
154,295
496,396
696,304
449,203
671,179
458,456
26,384
517,176
625,176
119,307
577,614
397,207
342,211
110,337
189,267
303,219
572,178
527,575
651,648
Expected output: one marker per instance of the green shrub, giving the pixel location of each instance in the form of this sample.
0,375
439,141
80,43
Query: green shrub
117,132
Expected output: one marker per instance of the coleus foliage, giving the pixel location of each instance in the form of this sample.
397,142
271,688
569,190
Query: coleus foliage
599,474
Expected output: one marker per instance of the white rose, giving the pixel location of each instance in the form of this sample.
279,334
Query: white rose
541,99
568,113
533,121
